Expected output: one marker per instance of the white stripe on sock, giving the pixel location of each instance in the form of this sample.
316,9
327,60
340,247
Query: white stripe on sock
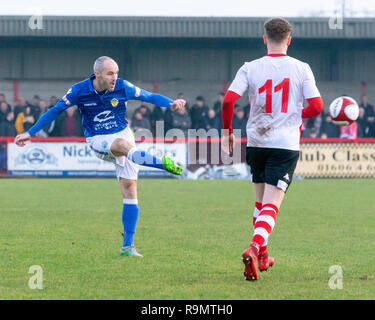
262,232
256,213
269,208
130,201
266,218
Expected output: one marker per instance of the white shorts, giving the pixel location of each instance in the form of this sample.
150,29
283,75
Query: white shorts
101,145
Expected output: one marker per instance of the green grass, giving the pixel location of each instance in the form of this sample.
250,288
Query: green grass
192,234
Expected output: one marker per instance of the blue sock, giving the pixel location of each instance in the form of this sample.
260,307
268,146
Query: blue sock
145,159
130,213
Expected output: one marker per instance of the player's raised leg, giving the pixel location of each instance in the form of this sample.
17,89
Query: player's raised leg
121,147
130,214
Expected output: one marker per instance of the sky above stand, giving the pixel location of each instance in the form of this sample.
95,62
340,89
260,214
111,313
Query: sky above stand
189,8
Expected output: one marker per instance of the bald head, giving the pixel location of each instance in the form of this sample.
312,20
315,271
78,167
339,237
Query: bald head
101,61
106,72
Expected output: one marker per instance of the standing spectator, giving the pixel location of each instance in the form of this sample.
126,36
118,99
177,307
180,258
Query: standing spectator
157,114
168,119
42,109
3,99
53,129
198,113
145,110
138,122
4,109
212,121
363,127
52,101
70,123
315,124
349,132
239,121
7,128
369,109
328,128
25,120
35,105
182,121
371,124
219,103
20,106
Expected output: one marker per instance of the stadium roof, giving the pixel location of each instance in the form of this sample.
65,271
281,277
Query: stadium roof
178,27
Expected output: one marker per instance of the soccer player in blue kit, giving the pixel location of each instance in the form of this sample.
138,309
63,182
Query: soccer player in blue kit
101,100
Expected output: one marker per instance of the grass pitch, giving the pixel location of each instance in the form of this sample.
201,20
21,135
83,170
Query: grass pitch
192,234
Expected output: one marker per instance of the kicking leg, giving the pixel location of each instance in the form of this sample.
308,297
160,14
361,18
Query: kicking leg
130,214
121,147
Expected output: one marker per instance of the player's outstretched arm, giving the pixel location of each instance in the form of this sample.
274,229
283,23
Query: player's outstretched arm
135,93
161,101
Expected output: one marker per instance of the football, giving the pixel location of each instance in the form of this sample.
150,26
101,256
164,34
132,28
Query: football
343,111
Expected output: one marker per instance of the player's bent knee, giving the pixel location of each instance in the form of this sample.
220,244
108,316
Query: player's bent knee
120,147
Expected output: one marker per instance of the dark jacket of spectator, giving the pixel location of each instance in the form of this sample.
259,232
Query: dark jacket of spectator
20,106
138,122
219,102
363,127
7,128
212,121
239,121
4,109
3,99
182,121
329,128
198,113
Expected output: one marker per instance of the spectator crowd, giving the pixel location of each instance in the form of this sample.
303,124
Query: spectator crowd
23,115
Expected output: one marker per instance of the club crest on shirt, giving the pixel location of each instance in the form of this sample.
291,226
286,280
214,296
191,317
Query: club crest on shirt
114,102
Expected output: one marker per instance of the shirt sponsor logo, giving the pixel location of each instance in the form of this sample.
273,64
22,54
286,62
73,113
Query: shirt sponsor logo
114,102
90,104
103,116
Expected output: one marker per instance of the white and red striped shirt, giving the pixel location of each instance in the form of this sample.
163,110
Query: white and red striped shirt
276,85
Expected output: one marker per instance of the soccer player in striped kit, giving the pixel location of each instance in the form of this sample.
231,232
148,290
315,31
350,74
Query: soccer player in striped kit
276,86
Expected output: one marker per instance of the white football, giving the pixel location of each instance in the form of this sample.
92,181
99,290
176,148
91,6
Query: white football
344,111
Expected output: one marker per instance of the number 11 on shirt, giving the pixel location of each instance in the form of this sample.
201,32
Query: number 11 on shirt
284,86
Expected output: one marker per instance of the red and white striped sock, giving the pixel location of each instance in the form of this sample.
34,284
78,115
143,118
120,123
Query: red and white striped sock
264,225
257,209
